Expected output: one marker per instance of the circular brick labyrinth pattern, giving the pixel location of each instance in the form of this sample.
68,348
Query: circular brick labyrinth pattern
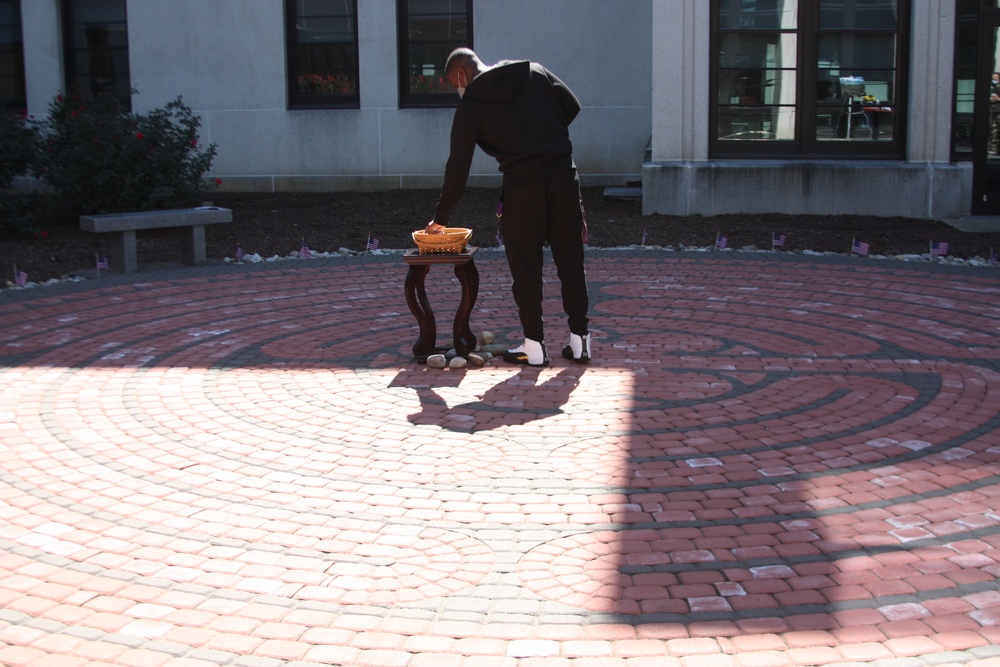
770,456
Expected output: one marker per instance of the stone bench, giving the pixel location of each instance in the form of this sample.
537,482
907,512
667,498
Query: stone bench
190,221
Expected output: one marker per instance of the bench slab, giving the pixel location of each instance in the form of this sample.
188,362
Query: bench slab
191,222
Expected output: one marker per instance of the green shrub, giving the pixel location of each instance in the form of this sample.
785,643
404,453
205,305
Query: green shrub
101,158
18,147
18,151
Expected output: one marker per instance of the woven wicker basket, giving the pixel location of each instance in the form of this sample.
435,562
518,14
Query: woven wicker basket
452,240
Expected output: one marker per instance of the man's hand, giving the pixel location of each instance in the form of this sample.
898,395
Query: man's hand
434,228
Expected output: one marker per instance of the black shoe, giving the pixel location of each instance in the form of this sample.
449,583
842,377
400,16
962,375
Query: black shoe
528,353
578,348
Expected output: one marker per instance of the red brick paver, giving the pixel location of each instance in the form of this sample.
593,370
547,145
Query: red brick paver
772,460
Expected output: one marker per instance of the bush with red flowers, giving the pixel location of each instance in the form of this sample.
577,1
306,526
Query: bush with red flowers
99,157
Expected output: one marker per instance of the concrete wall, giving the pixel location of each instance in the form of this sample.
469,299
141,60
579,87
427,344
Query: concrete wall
226,59
839,187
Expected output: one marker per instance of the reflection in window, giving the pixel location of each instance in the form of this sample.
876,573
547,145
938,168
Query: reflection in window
801,77
428,31
322,53
12,95
966,42
95,37
757,85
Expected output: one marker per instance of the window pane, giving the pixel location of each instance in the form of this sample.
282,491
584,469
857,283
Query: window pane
11,64
96,47
756,123
322,53
756,87
316,8
10,13
758,14
328,29
757,50
854,51
417,7
433,29
10,37
860,121
99,11
858,15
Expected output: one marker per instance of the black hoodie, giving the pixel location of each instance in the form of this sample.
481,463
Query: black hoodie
517,112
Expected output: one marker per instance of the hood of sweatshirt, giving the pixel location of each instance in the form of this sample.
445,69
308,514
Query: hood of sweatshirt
500,83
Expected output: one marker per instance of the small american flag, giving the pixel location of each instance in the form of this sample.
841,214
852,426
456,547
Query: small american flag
777,240
21,278
499,238
102,262
721,241
305,252
239,254
939,248
644,237
372,244
859,247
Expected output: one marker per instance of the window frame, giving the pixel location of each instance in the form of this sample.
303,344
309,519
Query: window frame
121,82
410,100
296,99
19,101
805,144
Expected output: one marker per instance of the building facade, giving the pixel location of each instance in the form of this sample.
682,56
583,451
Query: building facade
716,106
820,106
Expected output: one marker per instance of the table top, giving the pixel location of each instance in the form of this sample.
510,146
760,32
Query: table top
416,257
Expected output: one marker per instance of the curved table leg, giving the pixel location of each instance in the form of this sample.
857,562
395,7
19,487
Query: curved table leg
416,299
468,276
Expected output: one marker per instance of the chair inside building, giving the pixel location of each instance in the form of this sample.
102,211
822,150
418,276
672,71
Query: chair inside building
852,90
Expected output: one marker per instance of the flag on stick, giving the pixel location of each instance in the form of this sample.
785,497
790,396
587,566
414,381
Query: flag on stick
644,237
939,248
304,251
777,240
372,244
20,277
239,253
499,238
859,247
720,241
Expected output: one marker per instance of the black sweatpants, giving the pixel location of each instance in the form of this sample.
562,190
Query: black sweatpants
546,211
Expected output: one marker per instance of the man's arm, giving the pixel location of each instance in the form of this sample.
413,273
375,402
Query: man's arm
456,171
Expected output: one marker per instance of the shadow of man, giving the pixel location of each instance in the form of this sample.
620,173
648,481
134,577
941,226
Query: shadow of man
517,400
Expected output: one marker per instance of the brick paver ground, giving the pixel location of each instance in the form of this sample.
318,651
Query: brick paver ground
773,460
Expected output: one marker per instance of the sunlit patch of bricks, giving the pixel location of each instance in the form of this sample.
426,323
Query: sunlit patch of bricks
772,460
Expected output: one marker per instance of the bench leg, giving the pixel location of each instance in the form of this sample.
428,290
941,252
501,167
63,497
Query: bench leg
125,258
193,245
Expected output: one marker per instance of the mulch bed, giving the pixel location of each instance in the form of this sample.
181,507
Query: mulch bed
279,223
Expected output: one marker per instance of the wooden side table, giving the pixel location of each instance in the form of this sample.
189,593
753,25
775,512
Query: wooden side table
416,299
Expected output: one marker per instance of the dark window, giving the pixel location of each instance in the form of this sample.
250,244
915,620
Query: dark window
808,78
966,46
95,39
12,94
322,54
428,31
